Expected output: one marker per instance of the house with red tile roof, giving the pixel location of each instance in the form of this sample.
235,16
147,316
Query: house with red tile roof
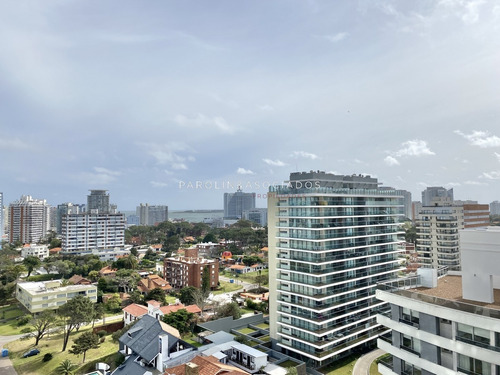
79,280
151,282
133,312
107,272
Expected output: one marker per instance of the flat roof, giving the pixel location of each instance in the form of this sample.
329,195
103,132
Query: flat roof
54,285
450,288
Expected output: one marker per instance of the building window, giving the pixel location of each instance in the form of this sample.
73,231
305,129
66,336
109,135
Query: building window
410,344
409,369
473,335
473,366
409,316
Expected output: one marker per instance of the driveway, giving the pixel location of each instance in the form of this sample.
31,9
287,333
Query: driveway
6,367
362,365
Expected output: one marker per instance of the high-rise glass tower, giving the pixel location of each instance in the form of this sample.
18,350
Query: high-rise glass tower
236,203
98,200
332,238
28,220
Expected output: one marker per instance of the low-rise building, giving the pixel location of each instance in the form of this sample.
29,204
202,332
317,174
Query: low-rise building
149,348
39,251
150,282
49,295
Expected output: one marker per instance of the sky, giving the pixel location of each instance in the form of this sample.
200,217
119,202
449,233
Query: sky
177,102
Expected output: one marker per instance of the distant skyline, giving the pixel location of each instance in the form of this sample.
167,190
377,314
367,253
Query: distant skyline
140,98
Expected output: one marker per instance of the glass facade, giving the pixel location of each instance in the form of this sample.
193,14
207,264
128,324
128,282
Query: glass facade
332,246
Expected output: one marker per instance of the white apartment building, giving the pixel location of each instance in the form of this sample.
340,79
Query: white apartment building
438,227
29,220
332,238
447,324
92,231
49,295
39,251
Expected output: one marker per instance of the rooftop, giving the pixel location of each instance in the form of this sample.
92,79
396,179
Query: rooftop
450,288
50,286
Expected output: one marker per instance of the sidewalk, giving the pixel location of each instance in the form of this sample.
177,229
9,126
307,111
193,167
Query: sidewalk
6,367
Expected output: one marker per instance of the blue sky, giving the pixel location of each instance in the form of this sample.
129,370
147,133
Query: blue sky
146,98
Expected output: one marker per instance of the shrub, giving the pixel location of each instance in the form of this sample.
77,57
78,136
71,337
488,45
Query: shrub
101,333
119,360
23,320
102,339
47,357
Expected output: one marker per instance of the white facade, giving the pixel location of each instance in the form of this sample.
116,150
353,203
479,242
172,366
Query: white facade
39,251
29,220
257,215
331,239
437,236
39,296
92,231
453,326
151,215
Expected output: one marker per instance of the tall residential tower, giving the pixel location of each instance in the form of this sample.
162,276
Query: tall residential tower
332,238
29,220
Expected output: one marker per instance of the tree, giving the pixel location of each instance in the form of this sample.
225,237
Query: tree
410,232
66,367
228,309
31,263
156,294
127,279
210,237
74,313
94,276
251,260
186,295
200,298
134,252
42,324
98,313
205,280
114,303
87,340
128,262
291,371
181,319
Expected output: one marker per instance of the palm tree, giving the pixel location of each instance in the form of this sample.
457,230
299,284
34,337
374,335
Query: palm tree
66,367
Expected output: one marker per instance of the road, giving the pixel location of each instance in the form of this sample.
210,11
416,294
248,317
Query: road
362,365
6,367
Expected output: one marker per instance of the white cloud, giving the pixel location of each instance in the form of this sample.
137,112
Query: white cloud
304,154
493,175
391,161
200,120
336,37
100,176
475,183
244,171
158,184
497,155
106,171
466,10
480,138
414,147
266,107
169,154
13,144
274,163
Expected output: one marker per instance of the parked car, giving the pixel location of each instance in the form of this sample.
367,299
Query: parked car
31,352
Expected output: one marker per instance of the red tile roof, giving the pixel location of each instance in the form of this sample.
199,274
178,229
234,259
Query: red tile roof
136,310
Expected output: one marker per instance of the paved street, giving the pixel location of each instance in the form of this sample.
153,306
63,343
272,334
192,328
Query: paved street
5,363
362,365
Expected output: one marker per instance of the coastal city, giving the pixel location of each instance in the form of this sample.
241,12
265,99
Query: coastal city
251,187
336,268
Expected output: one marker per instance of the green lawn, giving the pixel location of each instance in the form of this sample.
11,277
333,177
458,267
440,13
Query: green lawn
10,312
374,369
263,325
246,331
10,328
35,366
226,287
341,367
170,300
250,276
